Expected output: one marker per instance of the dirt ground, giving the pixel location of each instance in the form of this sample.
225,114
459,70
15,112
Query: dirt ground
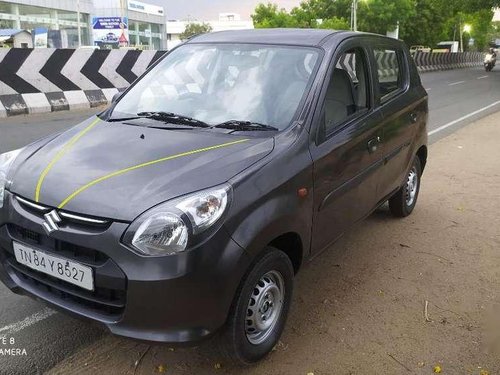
359,307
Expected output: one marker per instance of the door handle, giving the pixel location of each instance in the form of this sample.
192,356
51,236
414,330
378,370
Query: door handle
413,118
373,144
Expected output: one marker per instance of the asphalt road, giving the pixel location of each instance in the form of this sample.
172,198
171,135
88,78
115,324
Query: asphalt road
457,98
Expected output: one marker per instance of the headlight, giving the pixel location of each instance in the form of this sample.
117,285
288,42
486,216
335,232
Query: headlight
177,225
6,161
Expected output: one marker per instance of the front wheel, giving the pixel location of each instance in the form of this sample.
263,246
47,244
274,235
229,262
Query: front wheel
260,309
403,202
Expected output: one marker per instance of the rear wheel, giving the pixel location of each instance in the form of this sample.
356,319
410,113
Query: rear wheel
403,202
260,309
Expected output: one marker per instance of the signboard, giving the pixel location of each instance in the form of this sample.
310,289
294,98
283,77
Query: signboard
41,37
112,31
138,6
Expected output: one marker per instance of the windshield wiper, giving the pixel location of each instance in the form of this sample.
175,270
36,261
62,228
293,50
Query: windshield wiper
166,117
245,125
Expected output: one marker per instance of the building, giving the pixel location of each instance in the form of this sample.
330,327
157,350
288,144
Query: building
226,21
15,38
58,18
146,22
71,23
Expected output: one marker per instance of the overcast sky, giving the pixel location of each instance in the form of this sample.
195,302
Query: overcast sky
205,10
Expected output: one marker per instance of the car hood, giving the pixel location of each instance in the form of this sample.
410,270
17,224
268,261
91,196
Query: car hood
118,171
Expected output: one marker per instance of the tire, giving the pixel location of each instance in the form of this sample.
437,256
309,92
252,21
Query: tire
241,341
403,202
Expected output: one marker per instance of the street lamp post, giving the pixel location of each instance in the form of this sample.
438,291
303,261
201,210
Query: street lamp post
354,15
466,29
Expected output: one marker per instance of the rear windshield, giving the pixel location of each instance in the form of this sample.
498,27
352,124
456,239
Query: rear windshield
218,83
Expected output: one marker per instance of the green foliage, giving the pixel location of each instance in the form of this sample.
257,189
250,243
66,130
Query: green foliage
269,16
193,29
427,26
380,16
424,22
335,23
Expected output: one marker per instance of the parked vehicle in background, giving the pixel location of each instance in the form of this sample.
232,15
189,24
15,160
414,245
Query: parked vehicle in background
415,49
446,47
187,207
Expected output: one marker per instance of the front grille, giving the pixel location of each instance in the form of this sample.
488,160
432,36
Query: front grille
109,295
28,235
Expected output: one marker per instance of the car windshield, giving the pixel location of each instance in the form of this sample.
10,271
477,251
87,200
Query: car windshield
226,82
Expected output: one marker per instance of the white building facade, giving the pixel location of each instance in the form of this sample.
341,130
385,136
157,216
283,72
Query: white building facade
69,23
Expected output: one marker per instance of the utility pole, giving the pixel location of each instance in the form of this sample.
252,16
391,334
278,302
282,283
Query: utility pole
354,15
78,21
461,36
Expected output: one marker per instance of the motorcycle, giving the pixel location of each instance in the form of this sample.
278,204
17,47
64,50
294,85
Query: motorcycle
489,62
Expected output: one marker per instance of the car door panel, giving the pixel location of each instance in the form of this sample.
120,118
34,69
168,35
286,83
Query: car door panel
345,179
347,167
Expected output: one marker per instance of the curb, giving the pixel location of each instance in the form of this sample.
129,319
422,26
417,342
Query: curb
24,104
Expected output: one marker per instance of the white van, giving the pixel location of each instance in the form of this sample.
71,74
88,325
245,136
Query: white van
449,46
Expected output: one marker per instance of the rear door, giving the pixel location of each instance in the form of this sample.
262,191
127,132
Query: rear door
346,151
394,96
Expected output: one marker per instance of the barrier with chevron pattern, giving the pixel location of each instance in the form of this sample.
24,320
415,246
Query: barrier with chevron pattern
45,80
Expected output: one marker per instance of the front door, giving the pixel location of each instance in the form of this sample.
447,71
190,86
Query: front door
347,152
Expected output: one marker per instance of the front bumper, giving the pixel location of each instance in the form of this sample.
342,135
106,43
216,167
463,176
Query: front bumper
175,299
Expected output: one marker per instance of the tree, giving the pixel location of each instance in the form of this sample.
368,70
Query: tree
335,23
193,29
269,16
381,16
420,21
427,26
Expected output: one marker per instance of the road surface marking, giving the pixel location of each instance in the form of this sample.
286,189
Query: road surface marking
456,83
482,77
25,323
428,90
437,130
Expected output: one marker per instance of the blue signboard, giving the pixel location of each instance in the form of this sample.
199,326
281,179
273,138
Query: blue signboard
110,30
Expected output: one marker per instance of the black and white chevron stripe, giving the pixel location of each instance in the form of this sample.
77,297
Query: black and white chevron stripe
427,62
41,80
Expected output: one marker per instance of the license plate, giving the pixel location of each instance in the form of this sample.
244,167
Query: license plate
63,269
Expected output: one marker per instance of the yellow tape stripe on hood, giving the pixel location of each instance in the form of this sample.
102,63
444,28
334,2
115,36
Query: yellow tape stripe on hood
122,171
59,155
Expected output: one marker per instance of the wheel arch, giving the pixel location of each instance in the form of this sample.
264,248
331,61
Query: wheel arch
422,155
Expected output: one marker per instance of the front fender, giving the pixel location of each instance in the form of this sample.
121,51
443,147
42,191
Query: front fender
266,203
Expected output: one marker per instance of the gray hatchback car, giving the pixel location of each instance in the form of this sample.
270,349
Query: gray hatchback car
188,206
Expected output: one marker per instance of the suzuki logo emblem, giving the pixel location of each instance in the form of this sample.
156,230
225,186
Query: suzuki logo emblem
51,221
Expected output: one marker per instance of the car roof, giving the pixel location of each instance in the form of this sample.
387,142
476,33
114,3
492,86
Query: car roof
305,37
302,37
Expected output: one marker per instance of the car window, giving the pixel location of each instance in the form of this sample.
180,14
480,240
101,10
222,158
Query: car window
223,82
389,72
347,92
